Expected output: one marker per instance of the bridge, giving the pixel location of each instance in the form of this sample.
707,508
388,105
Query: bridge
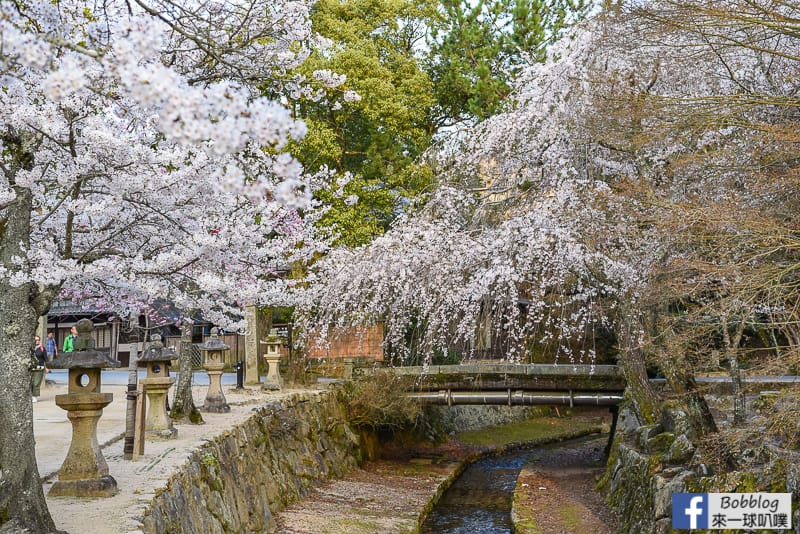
537,384
512,384
533,384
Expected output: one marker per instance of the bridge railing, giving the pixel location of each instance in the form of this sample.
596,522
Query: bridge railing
505,377
502,377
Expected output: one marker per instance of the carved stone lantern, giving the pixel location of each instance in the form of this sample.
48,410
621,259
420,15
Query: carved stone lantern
273,381
156,385
84,472
214,351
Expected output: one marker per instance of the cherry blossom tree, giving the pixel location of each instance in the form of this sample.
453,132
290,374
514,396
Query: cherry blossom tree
700,107
647,128
517,240
733,264
528,277
140,161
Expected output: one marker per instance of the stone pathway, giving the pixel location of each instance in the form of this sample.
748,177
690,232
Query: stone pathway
137,481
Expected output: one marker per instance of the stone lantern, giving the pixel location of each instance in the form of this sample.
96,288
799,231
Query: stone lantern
84,472
156,386
214,350
273,380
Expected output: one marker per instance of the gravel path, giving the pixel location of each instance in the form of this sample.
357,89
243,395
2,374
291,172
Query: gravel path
381,497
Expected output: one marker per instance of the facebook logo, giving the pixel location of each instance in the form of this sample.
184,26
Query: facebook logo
690,510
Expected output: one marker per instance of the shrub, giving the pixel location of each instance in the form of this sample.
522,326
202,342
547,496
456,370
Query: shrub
783,421
379,401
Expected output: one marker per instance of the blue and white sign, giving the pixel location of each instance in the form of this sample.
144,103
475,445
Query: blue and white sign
732,511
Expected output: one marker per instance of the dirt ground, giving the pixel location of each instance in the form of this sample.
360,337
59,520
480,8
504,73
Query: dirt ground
556,492
378,498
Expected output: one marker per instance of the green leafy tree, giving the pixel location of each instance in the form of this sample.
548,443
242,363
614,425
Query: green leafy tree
412,67
476,48
379,121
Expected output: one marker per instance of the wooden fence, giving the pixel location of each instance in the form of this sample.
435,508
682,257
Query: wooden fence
234,341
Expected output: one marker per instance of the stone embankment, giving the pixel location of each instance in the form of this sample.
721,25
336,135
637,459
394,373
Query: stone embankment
258,476
396,494
649,463
238,480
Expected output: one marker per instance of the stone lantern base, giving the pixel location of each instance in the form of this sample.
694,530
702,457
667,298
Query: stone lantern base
215,399
273,381
105,486
84,472
158,425
214,404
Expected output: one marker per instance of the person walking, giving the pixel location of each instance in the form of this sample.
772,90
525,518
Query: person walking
69,341
38,367
51,347
39,352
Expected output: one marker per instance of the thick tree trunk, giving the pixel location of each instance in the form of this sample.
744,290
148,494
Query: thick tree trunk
183,408
647,403
22,501
646,400
700,417
680,378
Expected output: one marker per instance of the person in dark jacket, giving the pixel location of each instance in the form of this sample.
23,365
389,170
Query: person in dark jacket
39,351
38,362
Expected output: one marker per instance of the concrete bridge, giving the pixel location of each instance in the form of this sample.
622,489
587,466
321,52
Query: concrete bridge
543,384
512,384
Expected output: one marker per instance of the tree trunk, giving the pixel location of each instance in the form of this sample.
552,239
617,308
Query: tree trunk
680,378
647,402
734,371
683,383
22,502
183,408
739,403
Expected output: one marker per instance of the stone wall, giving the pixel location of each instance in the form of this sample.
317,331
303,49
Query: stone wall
648,463
465,418
238,480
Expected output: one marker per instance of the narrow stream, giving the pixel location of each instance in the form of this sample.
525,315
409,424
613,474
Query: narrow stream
479,501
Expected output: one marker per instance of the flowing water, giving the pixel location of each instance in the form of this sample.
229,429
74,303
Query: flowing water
479,501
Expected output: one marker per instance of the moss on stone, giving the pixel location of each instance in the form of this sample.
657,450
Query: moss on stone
571,516
195,417
527,526
613,459
230,470
352,525
660,443
533,431
630,489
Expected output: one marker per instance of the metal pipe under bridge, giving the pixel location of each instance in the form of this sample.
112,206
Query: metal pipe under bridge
513,384
517,398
